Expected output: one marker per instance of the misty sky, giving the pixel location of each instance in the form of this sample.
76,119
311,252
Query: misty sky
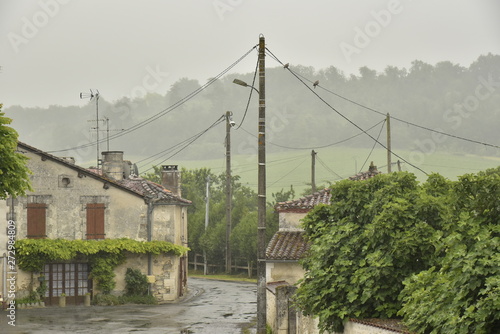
51,50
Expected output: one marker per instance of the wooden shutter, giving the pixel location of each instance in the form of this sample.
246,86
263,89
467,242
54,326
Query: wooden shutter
36,220
95,220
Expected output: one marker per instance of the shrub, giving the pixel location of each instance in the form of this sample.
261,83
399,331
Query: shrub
106,300
136,283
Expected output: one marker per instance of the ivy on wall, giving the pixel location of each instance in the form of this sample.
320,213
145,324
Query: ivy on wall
103,255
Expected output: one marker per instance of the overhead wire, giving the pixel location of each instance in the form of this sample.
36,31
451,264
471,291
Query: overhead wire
373,147
164,111
171,148
322,146
285,175
396,118
345,117
250,95
327,167
217,122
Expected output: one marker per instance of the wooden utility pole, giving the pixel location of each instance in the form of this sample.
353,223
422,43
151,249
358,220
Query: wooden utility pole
313,171
261,200
207,207
389,152
228,191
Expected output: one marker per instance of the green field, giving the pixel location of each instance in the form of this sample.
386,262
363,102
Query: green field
332,164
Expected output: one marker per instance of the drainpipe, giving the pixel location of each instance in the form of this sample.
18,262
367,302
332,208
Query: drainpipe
149,222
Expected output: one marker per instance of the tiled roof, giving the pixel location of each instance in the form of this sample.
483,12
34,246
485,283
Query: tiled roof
137,186
393,325
150,189
306,203
286,245
372,171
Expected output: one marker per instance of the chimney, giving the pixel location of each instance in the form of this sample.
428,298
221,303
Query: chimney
113,165
171,179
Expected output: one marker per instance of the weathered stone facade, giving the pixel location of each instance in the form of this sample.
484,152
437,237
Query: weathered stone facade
129,205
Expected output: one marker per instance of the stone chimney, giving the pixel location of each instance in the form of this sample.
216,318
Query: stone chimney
113,165
171,179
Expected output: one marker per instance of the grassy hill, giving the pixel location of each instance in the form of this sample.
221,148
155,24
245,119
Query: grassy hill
333,164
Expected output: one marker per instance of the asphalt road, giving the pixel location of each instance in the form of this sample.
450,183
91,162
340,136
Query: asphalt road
210,307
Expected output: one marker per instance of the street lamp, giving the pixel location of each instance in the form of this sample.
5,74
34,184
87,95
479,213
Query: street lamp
244,84
261,193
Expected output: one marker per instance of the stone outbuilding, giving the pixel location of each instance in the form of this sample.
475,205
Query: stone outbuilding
74,203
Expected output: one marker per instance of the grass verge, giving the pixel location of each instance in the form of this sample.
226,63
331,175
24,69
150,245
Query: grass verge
222,277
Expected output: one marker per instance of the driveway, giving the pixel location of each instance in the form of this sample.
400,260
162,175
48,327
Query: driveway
210,307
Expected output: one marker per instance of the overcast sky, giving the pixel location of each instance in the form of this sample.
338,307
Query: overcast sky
51,50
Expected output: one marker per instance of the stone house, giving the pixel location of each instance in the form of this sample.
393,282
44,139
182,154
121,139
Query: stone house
74,203
283,270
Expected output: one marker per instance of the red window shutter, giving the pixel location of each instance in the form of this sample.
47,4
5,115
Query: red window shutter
36,220
95,220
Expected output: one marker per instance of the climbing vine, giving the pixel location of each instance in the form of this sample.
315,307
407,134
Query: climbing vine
103,255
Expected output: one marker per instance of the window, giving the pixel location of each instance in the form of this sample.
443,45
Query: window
36,220
95,221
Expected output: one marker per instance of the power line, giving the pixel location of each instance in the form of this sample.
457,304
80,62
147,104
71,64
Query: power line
327,167
316,147
164,111
392,117
373,147
189,143
344,117
250,95
152,157
285,175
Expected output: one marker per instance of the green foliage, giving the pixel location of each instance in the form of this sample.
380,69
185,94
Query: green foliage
243,240
138,299
375,234
461,293
42,289
14,175
136,282
106,300
103,255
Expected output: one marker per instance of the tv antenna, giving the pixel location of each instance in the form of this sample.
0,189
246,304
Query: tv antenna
107,130
94,96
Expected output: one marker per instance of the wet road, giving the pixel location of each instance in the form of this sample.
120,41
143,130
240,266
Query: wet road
210,307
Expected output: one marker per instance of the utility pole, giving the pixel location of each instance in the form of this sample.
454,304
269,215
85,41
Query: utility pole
313,171
229,194
207,206
261,201
389,152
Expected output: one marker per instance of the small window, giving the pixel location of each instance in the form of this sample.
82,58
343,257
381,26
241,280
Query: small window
65,181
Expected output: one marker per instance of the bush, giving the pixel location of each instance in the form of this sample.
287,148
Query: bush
136,283
106,300
134,299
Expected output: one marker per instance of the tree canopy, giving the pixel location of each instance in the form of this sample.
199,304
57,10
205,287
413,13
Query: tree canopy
14,174
389,247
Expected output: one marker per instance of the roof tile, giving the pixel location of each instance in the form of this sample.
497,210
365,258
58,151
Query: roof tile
287,245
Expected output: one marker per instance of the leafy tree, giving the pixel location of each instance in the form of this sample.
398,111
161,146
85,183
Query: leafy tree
14,174
461,293
375,234
243,238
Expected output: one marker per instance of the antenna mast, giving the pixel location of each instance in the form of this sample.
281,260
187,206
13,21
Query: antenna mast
95,96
